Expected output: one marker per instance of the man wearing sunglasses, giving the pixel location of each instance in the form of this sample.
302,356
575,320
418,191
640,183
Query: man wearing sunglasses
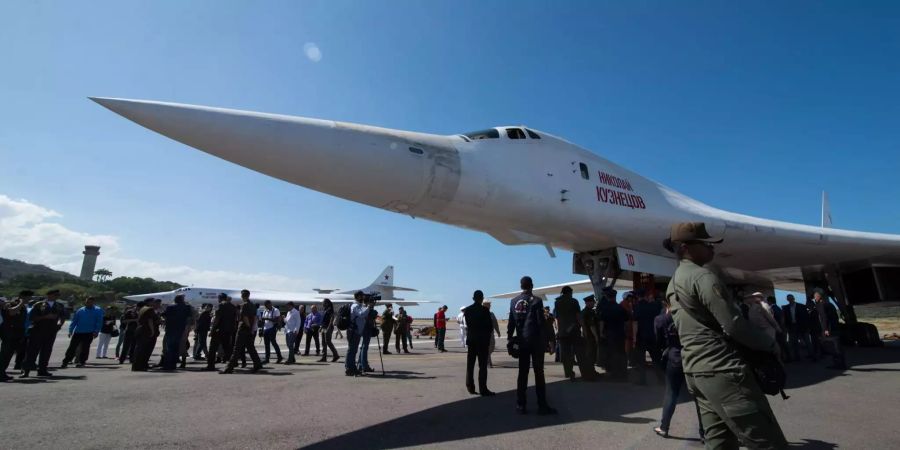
732,406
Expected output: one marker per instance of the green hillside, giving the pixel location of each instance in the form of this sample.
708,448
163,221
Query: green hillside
16,276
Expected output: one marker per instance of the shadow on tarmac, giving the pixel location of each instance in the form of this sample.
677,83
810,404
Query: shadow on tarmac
603,401
401,375
813,444
41,380
485,416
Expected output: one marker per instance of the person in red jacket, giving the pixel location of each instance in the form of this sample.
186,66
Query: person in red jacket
440,326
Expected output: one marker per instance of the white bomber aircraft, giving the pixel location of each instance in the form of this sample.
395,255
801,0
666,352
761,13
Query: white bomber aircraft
524,186
196,296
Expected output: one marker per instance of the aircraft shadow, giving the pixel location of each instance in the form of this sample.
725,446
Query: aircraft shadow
485,416
603,401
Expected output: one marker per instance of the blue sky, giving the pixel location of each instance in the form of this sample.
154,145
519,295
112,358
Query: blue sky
754,108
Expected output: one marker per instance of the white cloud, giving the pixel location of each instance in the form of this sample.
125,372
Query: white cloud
29,233
312,51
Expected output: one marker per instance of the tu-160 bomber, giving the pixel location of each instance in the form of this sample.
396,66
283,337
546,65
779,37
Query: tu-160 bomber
524,186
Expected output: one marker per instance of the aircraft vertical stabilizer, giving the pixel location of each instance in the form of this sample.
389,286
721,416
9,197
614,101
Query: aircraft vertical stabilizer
826,211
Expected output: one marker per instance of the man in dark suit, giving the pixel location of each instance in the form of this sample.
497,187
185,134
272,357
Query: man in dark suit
796,322
177,316
47,317
823,318
223,326
478,342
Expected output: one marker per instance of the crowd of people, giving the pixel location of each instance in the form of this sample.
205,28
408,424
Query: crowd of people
224,334
690,338
695,337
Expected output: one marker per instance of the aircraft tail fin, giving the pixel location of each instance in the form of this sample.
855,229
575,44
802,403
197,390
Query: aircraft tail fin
826,211
384,284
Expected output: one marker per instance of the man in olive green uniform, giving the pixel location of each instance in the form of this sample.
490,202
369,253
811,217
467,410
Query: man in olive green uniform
387,327
244,341
733,409
589,329
402,329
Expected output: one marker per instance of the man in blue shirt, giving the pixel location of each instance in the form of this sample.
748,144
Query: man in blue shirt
83,328
313,323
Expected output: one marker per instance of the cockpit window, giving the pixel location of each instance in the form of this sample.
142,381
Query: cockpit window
532,134
585,173
515,133
484,134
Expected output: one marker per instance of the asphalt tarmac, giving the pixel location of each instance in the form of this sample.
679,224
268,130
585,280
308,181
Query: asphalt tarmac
420,401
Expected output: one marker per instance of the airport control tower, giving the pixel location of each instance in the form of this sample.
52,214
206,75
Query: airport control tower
91,252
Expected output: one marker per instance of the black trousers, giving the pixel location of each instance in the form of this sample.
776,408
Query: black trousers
128,341
200,344
297,341
143,348
639,360
40,346
21,352
80,343
326,343
616,359
399,336
439,339
221,338
244,343
567,355
314,336
531,356
387,338
270,339
10,345
603,353
479,351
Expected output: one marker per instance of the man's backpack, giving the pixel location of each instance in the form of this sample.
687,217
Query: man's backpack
343,317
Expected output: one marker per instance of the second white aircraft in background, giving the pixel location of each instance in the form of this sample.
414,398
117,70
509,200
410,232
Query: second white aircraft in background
196,296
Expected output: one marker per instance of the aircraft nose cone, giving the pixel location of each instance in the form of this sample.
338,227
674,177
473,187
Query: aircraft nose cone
407,172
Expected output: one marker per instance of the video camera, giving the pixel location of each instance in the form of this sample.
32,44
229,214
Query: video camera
373,297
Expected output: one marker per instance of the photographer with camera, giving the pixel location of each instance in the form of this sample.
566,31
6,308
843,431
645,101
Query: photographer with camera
366,323
355,330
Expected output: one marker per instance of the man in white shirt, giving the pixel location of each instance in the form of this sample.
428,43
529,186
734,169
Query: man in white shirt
463,328
291,328
270,317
